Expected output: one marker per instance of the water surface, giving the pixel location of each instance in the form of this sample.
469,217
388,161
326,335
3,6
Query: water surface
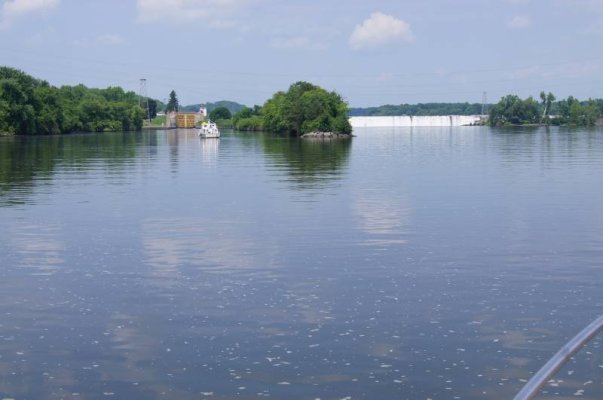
418,263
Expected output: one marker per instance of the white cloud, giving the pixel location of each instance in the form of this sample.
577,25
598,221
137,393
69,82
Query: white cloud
520,22
380,29
185,10
13,9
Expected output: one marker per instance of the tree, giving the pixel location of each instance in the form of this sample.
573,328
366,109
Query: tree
248,119
220,113
172,104
152,107
513,110
305,108
547,100
573,112
583,115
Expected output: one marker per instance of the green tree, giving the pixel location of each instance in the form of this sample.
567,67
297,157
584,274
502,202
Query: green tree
248,119
20,113
583,115
220,113
547,100
573,112
49,120
272,111
152,107
513,110
305,108
172,104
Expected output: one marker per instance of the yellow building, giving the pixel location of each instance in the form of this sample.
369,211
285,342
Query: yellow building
186,120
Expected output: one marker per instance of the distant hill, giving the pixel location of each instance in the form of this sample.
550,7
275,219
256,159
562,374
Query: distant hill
232,106
419,109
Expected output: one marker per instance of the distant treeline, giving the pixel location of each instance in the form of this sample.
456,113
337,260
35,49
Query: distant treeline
29,106
231,106
419,109
512,110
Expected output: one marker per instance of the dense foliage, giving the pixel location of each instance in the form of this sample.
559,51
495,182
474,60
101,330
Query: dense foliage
573,112
248,119
220,113
419,109
29,106
511,110
305,108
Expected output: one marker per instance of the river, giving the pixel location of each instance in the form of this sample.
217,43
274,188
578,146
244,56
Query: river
407,263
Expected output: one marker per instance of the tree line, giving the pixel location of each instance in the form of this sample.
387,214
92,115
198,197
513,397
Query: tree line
420,109
512,110
29,106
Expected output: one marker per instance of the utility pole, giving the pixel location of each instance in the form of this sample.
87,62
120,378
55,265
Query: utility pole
484,103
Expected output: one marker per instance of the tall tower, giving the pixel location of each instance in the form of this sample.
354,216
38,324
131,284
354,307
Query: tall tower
484,103
142,94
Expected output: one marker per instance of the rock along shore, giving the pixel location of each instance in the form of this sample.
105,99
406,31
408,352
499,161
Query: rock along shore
325,135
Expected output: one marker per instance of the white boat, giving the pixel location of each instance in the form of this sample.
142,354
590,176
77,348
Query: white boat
209,130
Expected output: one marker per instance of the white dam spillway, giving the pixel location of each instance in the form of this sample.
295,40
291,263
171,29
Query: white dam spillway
407,120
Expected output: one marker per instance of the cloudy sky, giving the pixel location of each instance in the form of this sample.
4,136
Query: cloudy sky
372,52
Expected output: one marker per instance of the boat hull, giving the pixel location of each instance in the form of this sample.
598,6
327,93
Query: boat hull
209,135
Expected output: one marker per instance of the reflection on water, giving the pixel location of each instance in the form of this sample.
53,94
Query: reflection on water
209,151
415,263
39,248
383,219
309,163
210,244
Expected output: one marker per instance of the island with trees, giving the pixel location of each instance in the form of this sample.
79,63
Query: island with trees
304,110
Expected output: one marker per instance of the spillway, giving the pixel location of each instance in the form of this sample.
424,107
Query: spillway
407,120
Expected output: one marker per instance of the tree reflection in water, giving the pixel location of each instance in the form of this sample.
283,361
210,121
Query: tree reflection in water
308,163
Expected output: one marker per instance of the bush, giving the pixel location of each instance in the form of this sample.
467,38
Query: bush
253,123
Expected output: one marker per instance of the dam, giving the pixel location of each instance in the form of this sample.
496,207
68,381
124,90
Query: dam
408,120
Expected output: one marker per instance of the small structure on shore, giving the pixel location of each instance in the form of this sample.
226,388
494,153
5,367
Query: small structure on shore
186,120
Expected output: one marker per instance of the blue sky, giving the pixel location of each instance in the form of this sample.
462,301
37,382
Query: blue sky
372,52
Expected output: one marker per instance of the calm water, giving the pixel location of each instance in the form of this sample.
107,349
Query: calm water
445,263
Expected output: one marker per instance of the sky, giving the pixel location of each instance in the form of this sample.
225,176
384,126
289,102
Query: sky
372,52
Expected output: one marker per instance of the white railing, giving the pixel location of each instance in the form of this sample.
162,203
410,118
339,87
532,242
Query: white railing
531,389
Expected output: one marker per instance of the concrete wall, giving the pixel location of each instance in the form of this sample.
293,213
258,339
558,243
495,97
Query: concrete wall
405,120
